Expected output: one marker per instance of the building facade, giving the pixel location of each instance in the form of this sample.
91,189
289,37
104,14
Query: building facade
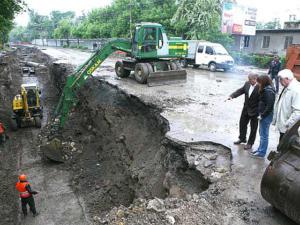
269,41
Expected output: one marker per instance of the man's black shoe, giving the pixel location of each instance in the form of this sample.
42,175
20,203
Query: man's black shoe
239,142
36,214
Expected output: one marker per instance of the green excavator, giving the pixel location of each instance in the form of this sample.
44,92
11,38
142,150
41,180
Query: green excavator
150,55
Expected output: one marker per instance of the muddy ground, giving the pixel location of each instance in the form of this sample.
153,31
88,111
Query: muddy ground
137,155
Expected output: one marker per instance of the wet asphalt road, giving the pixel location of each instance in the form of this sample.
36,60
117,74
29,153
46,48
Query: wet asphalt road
197,111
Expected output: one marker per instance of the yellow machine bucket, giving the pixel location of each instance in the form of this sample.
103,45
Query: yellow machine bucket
166,77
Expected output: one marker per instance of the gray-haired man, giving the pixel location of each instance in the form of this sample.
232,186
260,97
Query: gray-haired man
287,108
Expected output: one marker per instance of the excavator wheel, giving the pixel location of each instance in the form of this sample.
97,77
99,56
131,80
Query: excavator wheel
175,66
150,67
120,71
141,73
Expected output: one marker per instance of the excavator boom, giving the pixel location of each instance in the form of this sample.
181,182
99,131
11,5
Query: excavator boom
76,80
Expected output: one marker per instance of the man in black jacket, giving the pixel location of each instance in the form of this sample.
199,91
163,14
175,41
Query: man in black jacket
274,68
249,112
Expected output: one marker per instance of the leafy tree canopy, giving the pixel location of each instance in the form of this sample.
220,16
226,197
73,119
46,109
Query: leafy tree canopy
8,10
191,19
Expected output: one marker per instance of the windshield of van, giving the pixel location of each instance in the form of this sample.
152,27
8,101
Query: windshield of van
220,50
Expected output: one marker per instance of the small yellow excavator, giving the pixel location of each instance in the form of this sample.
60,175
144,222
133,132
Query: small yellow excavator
27,110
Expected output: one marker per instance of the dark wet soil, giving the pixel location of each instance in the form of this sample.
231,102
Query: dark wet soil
123,153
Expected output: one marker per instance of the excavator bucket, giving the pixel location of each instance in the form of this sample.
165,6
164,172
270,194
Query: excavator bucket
280,185
53,150
166,77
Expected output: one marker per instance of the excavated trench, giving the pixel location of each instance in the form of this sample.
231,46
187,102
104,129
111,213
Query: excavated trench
117,149
11,77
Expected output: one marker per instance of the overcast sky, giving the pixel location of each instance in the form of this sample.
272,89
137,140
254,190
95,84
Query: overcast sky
267,9
44,7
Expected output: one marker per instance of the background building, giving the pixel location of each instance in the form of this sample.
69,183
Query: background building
269,41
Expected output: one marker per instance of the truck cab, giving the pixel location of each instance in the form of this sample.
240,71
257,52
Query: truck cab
208,54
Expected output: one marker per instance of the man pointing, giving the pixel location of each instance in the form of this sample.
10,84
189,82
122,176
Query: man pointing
249,112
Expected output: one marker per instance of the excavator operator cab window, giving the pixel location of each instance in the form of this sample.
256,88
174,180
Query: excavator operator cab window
31,98
149,39
135,40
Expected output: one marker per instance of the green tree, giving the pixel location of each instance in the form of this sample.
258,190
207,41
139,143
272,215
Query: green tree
39,26
259,25
197,18
57,16
272,25
200,19
8,10
64,29
118,19
19,33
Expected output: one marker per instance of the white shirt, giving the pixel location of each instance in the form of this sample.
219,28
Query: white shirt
251,89
287,109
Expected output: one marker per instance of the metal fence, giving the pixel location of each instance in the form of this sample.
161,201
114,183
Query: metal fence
91,44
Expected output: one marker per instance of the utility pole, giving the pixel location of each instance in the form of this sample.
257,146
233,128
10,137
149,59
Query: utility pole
130,5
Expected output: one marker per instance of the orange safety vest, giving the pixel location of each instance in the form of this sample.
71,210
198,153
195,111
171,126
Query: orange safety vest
1,128
21,187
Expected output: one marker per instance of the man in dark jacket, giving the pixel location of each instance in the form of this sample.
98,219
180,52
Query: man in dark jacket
275,67
249,112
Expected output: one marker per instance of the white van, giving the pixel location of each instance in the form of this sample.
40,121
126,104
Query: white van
212,55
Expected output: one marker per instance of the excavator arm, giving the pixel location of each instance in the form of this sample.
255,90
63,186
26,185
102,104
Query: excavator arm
75,81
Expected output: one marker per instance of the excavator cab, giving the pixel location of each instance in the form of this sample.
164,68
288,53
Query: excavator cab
150,41
27,110
154,57
145,40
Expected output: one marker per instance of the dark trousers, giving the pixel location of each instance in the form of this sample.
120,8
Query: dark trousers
276,78
280,136
30,202
244,121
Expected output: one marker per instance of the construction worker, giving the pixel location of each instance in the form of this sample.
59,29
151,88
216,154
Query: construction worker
2,133
26,195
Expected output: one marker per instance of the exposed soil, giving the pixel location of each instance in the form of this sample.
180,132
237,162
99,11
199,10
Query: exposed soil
118,151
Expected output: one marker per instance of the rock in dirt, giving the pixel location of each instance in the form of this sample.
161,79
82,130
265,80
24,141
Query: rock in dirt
156,205
170,219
